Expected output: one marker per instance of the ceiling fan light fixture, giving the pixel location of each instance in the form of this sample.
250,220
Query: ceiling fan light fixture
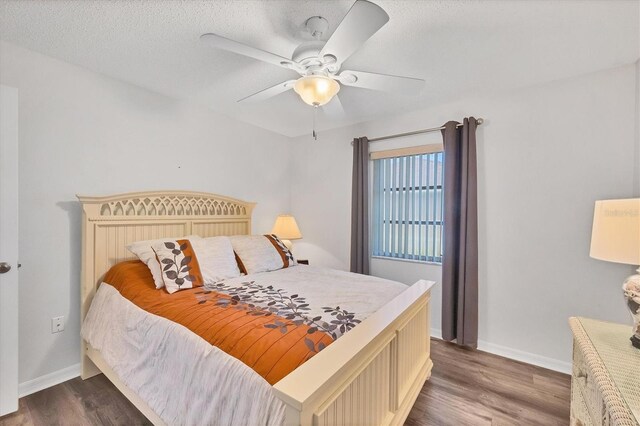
316,90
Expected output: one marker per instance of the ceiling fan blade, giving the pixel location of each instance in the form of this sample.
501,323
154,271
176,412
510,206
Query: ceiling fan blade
362,21
383,82
252,52
269,92
334,108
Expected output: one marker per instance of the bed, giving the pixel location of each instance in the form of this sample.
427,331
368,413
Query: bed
370,375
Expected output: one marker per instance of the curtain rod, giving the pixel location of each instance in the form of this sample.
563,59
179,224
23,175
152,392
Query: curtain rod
479,121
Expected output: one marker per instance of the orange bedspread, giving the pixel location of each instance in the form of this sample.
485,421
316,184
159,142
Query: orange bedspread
271,345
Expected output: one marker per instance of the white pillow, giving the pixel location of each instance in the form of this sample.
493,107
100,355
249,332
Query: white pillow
216,258
144,251
261,253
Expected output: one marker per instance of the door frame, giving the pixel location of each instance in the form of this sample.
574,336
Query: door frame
9,249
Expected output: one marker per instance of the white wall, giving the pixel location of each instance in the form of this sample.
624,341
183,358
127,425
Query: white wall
636,176
545,153
83,133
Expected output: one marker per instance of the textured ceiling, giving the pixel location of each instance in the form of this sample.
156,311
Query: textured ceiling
460,48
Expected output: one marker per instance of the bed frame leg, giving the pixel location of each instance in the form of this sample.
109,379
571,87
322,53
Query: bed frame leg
87,368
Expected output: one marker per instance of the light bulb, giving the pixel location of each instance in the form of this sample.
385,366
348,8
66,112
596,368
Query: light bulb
316,90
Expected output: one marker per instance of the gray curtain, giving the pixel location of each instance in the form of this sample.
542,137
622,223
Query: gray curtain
460,256
360,207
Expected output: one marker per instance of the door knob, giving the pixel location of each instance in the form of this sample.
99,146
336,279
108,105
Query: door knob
4,267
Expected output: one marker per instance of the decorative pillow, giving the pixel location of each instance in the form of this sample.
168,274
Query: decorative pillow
188,263
261,253
144,251
180,266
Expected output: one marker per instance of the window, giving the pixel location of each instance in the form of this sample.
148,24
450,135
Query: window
408,206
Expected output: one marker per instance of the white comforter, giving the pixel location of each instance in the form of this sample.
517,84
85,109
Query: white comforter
184,379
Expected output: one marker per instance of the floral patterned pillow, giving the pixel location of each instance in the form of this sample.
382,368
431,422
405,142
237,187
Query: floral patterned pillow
261,253
144,251
179,263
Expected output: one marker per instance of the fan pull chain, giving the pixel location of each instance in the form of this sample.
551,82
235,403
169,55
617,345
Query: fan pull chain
315,113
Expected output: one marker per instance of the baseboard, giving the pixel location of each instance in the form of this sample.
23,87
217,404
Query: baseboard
518,355
48,380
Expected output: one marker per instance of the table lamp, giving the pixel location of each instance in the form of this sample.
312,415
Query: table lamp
615,237
286,229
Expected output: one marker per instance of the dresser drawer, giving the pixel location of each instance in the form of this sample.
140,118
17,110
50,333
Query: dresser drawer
584,383
579,413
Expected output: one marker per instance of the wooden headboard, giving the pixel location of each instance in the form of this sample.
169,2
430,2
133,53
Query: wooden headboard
110,223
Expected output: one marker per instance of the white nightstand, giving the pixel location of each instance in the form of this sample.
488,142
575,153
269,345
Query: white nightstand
605,384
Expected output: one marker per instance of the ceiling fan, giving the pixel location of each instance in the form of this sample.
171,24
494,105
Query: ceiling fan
319,62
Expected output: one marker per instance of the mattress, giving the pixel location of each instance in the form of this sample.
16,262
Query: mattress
211,354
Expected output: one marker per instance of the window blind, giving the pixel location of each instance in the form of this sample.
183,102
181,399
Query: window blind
408,207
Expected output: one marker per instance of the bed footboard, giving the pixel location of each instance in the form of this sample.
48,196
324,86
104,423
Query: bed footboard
372,375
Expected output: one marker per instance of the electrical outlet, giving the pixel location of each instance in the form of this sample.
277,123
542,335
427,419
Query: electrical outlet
57,324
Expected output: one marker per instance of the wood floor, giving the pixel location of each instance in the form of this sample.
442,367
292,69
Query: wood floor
466,388
476,388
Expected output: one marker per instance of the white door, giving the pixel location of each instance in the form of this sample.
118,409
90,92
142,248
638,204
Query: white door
8,249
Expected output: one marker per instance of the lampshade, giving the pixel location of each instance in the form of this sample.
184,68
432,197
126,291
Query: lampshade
316,90
615,236
286,228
